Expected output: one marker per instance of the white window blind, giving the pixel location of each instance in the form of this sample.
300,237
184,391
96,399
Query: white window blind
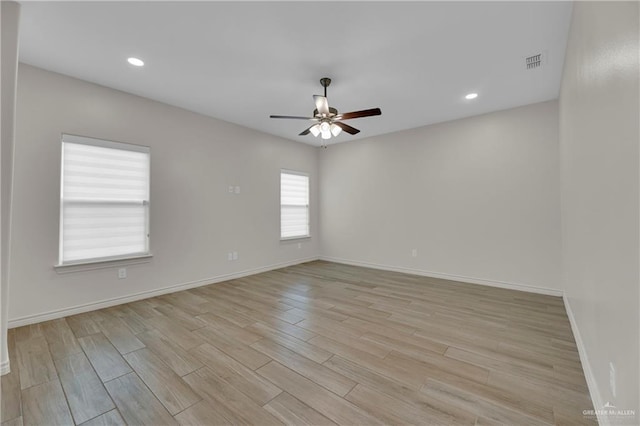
104,200
294,205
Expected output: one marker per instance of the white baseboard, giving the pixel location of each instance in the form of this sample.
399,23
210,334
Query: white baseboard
60,313
470,280
596,398
4,368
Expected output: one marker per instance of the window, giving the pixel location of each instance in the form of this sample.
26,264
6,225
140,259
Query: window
104,204
294,205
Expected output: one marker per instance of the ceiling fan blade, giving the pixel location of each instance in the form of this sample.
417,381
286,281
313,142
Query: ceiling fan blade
294,117
306,131
359,114
346,128
321,104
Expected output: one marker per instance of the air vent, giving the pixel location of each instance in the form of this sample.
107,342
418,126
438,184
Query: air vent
534,61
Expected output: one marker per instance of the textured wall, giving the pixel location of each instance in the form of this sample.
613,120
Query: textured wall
599,138
194,220
477,197
10,20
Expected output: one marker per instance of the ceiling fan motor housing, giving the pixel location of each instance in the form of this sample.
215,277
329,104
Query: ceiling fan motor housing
332,112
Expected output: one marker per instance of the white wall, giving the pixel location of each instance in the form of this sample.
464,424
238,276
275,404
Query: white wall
478,198
194,221
599,138
10,12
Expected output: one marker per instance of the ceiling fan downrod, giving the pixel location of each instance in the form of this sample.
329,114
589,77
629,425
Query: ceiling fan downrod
325,81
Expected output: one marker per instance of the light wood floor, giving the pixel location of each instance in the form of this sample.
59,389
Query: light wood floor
319,343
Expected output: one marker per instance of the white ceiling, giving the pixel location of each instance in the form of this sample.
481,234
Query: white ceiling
242,61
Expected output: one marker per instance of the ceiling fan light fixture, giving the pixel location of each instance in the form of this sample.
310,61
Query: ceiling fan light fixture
325,127
326,135
315,130
335,129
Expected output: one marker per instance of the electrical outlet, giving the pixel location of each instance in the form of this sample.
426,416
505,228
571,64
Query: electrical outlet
235,255
230,256
299,245
122,273
612,378
230,189
414,253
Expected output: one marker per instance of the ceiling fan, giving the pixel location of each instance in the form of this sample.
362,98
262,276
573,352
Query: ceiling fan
328,122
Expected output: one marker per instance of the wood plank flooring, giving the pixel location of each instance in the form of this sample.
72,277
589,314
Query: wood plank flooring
318,344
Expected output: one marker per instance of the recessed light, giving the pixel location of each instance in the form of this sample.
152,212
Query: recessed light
471,96
135,62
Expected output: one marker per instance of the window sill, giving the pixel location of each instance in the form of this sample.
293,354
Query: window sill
102,264
302,237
